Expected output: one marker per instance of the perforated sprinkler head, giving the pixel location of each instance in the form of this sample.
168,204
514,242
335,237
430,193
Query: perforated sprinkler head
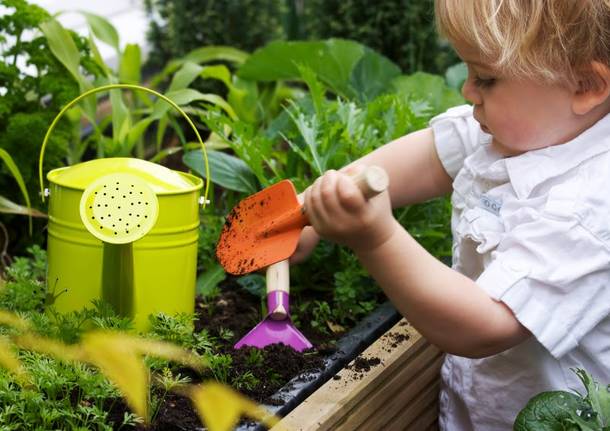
119,208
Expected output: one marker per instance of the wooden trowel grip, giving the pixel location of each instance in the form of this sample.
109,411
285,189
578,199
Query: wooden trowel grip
278,285
371,181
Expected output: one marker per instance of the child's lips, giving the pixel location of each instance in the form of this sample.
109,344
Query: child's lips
485,129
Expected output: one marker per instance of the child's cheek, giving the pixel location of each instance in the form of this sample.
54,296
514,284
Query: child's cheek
514,134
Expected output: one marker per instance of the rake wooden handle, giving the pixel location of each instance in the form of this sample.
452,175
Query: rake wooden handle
278,282
371,181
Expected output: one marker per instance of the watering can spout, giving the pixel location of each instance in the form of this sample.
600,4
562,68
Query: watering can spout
118,209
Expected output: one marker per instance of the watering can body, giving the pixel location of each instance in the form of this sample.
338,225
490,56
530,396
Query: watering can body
161,265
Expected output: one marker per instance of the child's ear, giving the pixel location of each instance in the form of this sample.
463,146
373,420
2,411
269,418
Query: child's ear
592,91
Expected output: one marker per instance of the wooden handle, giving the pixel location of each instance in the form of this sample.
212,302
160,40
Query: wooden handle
278,279
371,181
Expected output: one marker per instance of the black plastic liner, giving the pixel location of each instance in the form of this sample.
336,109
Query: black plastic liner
348,347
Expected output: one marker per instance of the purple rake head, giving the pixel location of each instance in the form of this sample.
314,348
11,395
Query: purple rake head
274,330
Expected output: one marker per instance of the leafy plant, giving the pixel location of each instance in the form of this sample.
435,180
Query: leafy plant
119,357
401,30
34,84
180,26
561,410
321,134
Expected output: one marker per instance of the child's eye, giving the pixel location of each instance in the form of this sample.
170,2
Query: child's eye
484,82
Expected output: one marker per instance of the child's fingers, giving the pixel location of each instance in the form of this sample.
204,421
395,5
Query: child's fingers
349,196
314,204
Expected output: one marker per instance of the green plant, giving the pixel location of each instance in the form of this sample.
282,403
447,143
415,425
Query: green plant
401,30
73,392
220,366
34,84
178,329
255,358
180,26
323,133
247,381
561,410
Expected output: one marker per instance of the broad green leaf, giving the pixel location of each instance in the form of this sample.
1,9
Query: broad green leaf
202,55
456,75
14,170
136,132
598,395
340,64
121,121
245,99
217,53
64,49
187,95
372,76
130,69
185,76
9,207
97,57
102,29
429,88
219,72
226,170
220,408
254,284
209,280
550,411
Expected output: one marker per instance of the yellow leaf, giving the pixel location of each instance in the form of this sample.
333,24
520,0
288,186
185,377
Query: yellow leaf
120,361
171,352
9,361
13,320
119,357
220,408
335,327
47,346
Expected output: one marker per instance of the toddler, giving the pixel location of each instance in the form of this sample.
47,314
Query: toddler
528,168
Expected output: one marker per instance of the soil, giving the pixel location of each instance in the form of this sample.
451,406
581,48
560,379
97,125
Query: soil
237,311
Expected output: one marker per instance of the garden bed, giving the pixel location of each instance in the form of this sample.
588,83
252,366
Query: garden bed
285,377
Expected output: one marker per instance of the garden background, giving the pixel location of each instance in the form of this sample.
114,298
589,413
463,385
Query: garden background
278,90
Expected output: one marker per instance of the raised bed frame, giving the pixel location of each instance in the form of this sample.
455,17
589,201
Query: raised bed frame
400,393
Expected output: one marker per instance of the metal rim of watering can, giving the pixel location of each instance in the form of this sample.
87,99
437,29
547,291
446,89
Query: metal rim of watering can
204,198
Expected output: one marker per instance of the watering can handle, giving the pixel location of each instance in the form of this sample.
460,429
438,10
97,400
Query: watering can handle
129,87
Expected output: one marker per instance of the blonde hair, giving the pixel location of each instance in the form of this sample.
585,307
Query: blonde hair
552,40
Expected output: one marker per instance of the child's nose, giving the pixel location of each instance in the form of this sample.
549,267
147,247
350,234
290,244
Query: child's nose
471,92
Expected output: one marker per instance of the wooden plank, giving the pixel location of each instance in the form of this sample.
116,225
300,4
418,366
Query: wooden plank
425,402
400,390
358,396
405,406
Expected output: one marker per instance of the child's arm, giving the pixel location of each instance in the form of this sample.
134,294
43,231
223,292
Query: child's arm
415,171
413,166
446,307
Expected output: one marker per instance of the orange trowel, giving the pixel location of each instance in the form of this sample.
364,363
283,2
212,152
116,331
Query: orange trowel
265,227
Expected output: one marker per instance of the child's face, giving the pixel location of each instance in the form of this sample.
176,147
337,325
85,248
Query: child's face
520,114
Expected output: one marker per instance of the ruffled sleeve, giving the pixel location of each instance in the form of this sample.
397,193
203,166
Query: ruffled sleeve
456,135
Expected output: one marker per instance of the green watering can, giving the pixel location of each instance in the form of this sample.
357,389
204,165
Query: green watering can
123,230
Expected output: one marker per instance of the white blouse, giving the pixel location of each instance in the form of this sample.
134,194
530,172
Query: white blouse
533,231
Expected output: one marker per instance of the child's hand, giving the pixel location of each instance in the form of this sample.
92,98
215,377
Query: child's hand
338,211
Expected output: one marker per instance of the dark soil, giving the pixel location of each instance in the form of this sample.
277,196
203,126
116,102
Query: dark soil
237,311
